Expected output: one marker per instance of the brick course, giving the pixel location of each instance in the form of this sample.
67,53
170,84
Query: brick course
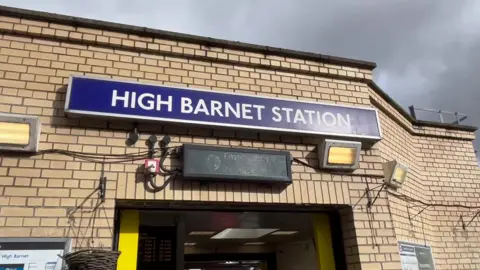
38,193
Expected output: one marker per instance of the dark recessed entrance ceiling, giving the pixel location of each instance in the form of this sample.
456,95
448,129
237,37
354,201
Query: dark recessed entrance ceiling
215,222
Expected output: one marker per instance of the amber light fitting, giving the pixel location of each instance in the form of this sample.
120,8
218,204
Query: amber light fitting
337,154
14,133
19,132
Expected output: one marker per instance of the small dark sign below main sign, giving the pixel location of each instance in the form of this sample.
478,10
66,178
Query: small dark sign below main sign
235,164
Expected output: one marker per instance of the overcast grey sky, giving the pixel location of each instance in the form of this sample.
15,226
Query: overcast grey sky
428,52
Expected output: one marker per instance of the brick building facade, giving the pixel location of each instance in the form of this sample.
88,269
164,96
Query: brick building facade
39,51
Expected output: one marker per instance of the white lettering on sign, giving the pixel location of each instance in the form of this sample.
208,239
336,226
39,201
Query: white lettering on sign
310,117
116,98
246,111
186,105
150,102
259,110
229,109
145,101
216,108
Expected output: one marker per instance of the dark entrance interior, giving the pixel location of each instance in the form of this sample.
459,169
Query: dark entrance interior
217,240
215,236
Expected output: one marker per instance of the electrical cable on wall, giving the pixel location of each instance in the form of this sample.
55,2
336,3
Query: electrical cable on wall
301,162
121,158
399,196
100,158
172,173
410,199
164,153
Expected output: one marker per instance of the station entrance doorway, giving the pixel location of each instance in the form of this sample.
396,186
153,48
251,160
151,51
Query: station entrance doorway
220,239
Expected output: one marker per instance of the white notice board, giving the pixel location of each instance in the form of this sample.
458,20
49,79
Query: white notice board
415,256
32,253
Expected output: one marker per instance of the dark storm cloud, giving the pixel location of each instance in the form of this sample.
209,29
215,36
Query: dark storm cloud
426,51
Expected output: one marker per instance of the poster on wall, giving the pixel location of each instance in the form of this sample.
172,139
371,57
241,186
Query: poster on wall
415,256
32,253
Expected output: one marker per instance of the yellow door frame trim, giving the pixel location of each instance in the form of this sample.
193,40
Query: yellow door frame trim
128,240
323,241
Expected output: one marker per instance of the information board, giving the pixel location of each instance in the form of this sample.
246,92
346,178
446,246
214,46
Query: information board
156,247
415,256
222,163
32,253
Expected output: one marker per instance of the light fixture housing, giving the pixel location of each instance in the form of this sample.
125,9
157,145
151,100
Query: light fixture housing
19,132
132,137
395,173
151,140
340,155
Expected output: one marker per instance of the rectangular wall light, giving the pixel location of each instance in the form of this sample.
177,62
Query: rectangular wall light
19,132
336,154
395,173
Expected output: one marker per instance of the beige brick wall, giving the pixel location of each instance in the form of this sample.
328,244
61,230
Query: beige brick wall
39,193
443,169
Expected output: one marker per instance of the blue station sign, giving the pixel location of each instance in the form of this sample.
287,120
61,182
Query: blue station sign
138,101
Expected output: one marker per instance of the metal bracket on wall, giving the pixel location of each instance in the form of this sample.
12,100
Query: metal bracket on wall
102,188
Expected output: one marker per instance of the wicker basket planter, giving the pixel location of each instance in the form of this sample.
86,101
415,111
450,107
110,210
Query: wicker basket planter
92,259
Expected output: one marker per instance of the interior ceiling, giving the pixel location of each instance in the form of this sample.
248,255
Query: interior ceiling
221,265
219,221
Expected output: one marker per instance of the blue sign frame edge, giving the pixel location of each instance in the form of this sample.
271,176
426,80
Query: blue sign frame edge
244,127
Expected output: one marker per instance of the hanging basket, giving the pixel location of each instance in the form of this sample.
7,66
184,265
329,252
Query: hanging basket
92,259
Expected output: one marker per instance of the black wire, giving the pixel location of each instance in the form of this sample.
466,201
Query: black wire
299,161
163,157
410,199
304,163
106,156
399,196
97,157
119,158
156,188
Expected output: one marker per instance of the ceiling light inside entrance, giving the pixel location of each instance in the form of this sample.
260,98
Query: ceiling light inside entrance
232,233
284,232
202,233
